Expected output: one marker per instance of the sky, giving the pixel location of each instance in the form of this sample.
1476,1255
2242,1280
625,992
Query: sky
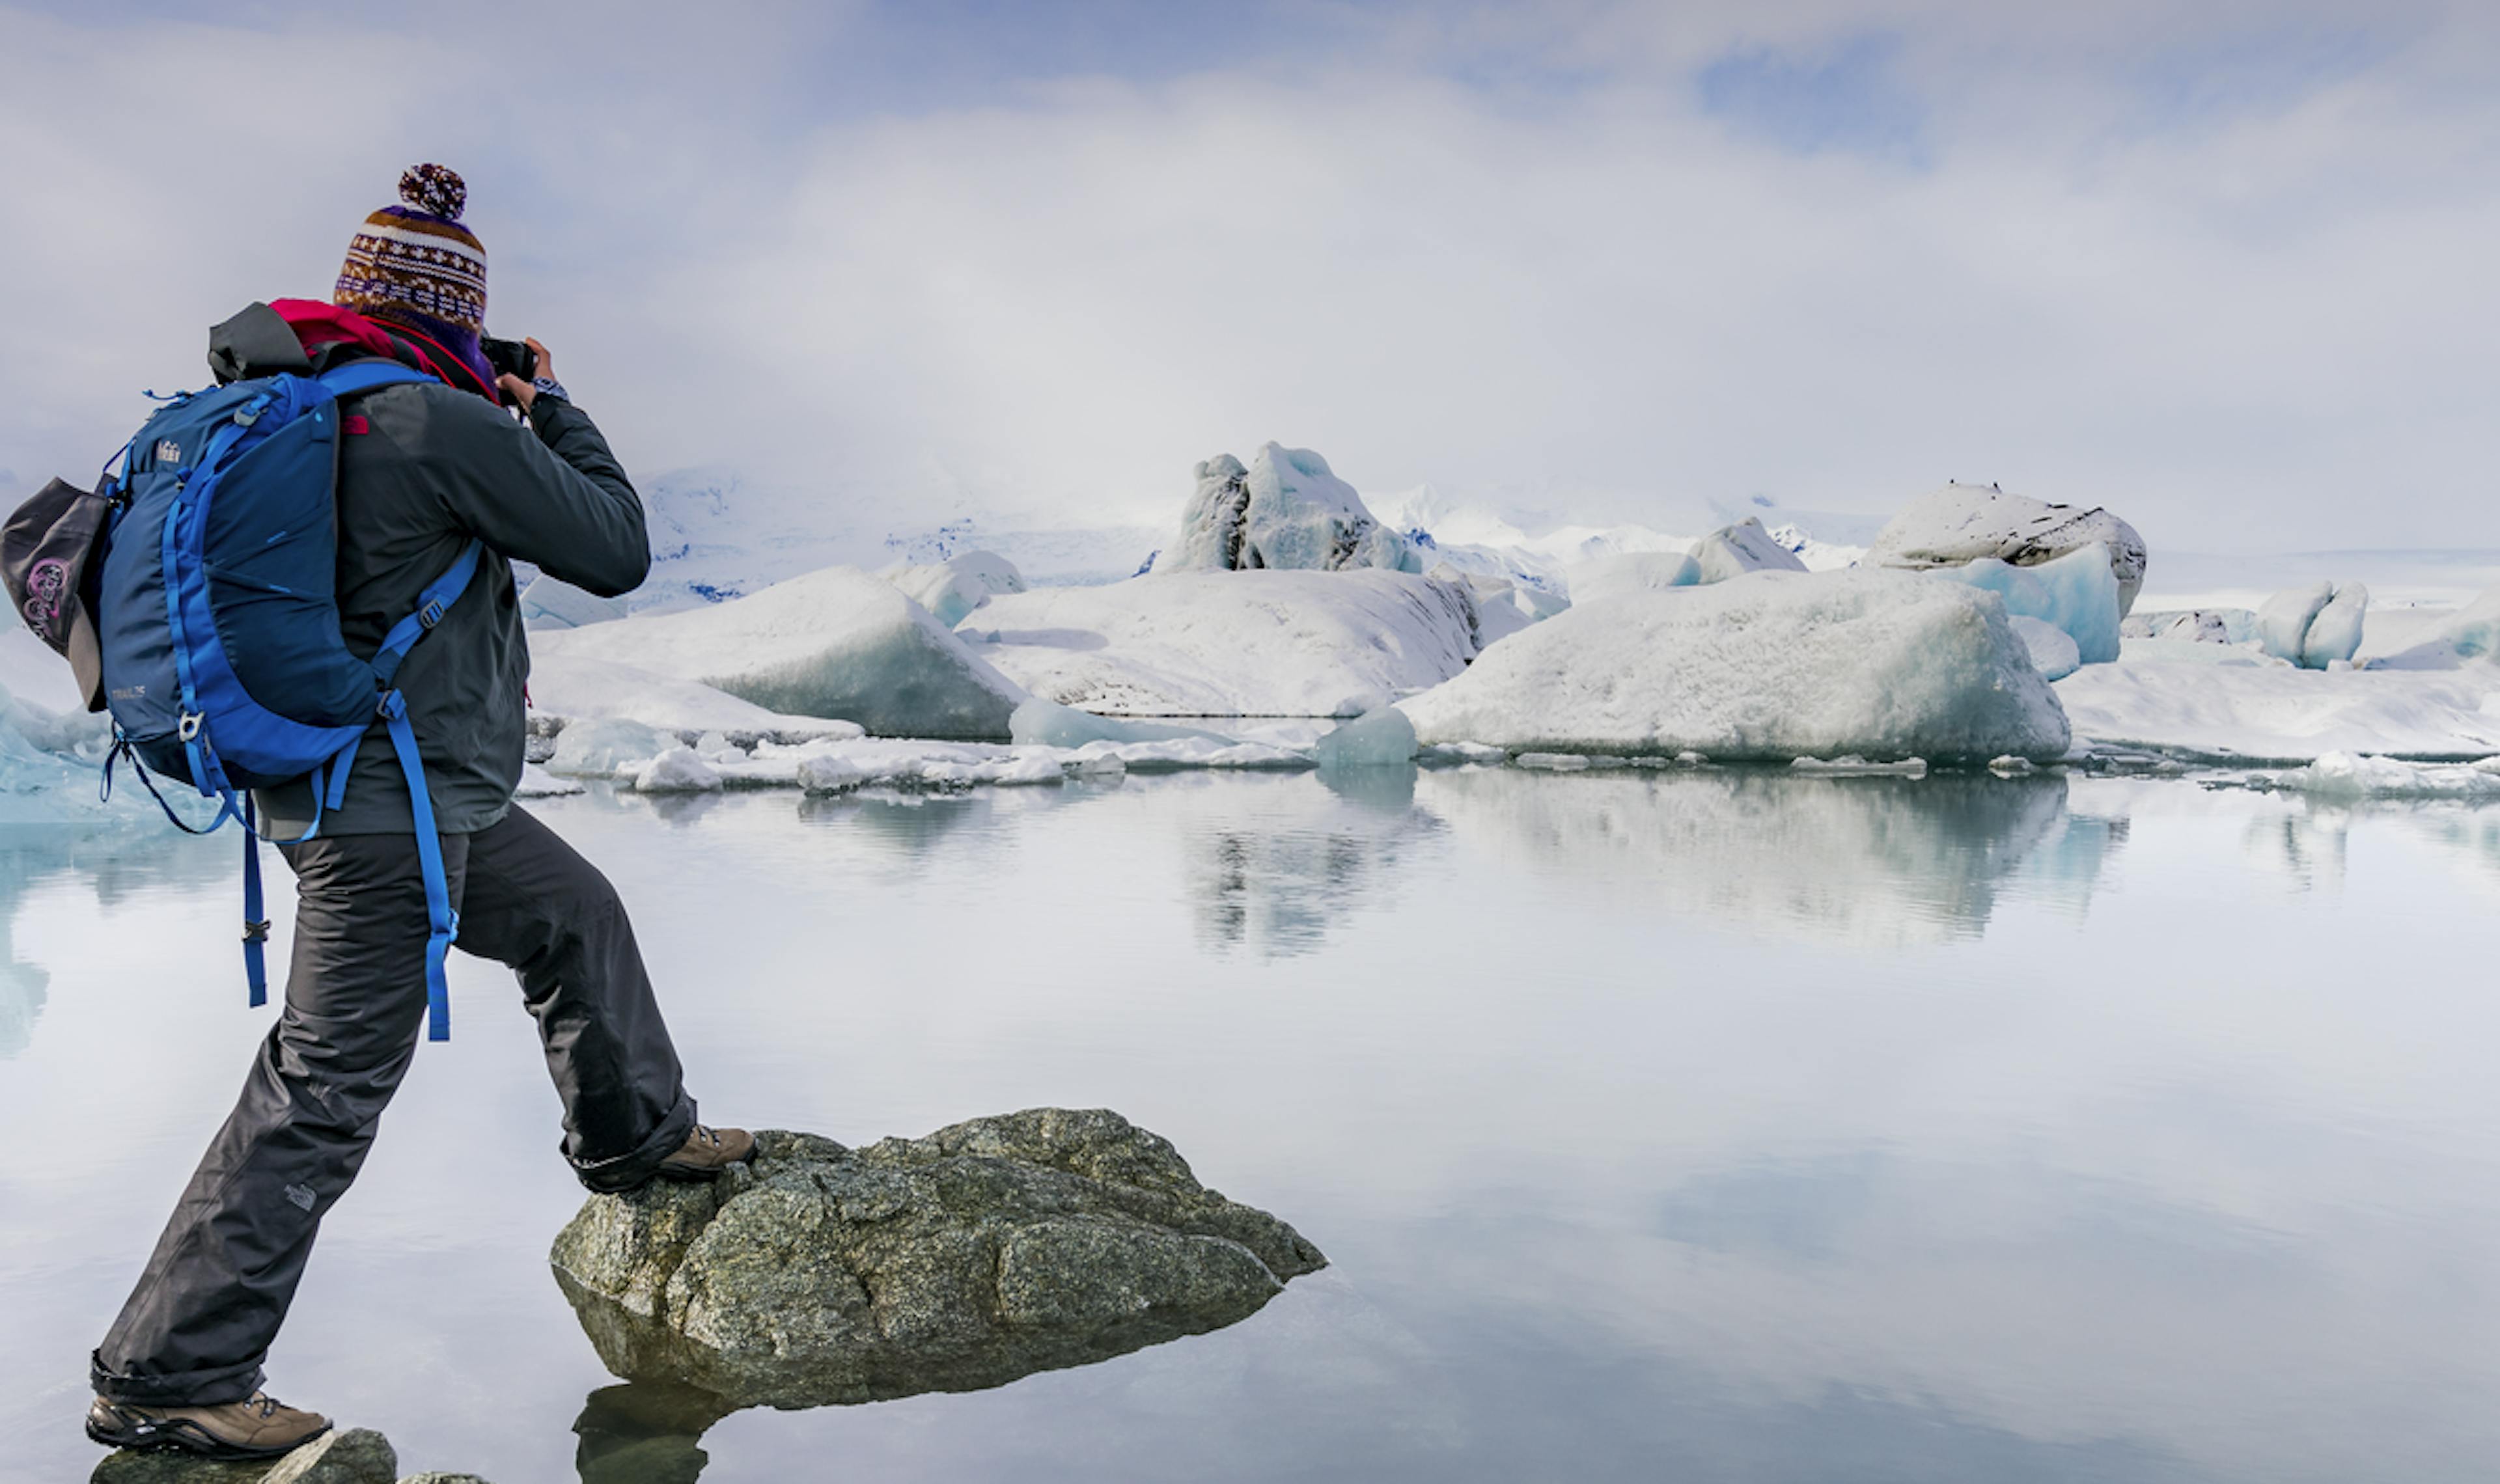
2226,268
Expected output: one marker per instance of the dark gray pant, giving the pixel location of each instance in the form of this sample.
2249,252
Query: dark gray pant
215,1290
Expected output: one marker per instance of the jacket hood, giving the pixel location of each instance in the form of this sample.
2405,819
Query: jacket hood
288,335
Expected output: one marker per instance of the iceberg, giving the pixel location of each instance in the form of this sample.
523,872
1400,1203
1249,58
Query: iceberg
2199,625
1383,738
1040,723
1238,643
2316,625
547,603
2353,776
1745,546
1766,667
837,644
2471,633
952,589
572,688
1285,510
2053,650
2266,712
677,771
602,748
1610,576
2076,592
1963,523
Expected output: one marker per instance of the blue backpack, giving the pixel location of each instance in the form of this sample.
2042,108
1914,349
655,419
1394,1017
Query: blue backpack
216,621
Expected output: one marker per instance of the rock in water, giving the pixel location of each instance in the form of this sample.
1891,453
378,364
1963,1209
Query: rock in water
353,1456
981,1253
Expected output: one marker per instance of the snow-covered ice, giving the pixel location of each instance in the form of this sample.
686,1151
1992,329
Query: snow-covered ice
1382,739
952,589
1767,667
1285,510
677,771
1963,523
1608,576
839,643
1734,550
2347,776
547,603
2077,592
577,687
1231,643
2263,710
1049,724
2313,625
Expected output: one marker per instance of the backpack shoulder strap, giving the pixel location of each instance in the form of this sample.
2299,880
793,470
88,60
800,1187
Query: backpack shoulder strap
367,374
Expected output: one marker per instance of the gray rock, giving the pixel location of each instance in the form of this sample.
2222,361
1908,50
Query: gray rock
124,1466
981,1253
355,1455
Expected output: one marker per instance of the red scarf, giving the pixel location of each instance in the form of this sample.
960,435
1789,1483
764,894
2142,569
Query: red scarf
318,324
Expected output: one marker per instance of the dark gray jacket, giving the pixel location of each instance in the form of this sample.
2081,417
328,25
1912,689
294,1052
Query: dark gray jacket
431,468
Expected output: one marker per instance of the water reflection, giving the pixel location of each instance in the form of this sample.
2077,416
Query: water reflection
121,864
1875,860
1275,884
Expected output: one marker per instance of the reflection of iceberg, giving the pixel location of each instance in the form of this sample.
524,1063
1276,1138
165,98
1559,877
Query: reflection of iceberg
1278,886
1871,860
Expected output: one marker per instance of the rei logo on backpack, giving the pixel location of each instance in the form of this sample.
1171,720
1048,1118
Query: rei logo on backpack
195,591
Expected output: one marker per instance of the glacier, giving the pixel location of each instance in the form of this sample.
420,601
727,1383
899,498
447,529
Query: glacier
1764,667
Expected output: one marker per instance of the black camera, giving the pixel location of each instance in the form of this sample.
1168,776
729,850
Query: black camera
510,357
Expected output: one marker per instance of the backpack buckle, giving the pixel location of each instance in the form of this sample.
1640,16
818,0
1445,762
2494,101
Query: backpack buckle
430,615
189,728
256,931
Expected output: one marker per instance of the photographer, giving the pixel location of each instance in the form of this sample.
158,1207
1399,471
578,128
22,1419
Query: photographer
423,470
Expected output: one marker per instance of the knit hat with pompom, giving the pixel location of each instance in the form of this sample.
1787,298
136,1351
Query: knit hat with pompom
415,264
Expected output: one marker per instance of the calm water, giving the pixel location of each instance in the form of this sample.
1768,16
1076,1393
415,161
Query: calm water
1695,1126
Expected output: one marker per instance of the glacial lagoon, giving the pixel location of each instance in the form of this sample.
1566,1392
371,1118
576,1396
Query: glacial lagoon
1697,1125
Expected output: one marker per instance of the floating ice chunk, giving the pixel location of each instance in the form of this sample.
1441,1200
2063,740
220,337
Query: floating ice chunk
1049,724
1765,667
2270,711
1963,523
1608,576
604,747
2335,634
2354,775
677,771
829,773
2053,650
1383,738
954,589
1285,510
836,642
1739,548
1851,766
2076,592
547,603
539,783
1553,762
1243,643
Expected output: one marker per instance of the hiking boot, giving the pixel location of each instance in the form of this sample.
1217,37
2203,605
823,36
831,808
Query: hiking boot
262,1426
706,1152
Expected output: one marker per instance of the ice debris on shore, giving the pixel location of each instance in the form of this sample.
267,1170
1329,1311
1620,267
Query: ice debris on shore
1766,667
981,1253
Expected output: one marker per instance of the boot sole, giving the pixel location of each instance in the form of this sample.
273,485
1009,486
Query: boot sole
181,1436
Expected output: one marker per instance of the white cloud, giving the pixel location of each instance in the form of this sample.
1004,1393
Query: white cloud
2213,274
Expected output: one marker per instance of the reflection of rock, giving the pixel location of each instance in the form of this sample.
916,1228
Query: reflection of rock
645,1433
1868,860
981,1253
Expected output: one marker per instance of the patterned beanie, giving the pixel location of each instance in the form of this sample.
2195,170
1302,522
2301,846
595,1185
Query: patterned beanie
416,264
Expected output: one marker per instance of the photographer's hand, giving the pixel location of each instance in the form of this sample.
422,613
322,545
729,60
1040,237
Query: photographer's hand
524,393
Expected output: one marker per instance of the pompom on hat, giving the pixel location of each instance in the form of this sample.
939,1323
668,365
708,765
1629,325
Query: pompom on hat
415,264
